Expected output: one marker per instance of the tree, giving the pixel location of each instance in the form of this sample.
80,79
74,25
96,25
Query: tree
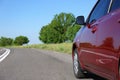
6,41
71,32
20,40
55,32
49,34
61,22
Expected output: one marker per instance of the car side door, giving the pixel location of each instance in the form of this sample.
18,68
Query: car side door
108,41
105,55
90,55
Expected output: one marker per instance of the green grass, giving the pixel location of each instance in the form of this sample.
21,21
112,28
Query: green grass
63,47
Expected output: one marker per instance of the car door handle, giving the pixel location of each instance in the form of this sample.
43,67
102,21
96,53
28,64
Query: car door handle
94,29
119,21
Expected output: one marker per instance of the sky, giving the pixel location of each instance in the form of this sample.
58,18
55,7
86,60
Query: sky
27,17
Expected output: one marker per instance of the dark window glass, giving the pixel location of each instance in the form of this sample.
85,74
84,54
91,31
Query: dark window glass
115,5
100,10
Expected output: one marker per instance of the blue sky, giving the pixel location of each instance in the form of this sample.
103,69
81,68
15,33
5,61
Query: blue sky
26,17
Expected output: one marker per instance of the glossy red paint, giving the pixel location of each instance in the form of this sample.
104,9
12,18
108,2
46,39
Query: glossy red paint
98,46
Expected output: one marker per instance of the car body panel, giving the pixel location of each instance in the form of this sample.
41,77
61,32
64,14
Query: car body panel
99,51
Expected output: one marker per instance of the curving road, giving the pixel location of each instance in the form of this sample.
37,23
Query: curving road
33,64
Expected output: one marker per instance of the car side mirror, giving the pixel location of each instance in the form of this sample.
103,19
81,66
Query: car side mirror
80,20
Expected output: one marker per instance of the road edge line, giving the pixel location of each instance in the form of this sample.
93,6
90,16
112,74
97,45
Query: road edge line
3,56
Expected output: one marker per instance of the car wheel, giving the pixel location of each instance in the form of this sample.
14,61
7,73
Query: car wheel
76,66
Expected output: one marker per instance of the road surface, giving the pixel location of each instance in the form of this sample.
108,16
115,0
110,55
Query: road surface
2,51
33,64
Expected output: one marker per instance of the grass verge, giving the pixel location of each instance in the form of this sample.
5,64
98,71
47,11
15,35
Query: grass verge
63,47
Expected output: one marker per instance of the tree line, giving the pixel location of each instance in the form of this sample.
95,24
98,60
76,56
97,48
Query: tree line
20,40
61,29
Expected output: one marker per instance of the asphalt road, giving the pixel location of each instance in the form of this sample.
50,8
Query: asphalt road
2,51
33,64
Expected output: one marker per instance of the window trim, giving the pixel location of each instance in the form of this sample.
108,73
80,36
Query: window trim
87,21
111,6
109,9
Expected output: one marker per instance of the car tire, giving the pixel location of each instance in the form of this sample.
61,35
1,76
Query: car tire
78,72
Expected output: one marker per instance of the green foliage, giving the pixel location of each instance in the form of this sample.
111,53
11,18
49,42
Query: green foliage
49,34
56,31
6,41
61,22
71,32
20,40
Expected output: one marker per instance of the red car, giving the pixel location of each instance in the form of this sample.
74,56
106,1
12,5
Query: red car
96,47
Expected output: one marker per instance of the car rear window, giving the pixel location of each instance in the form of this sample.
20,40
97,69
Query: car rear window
115,5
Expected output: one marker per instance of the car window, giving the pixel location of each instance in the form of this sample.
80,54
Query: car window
115,5
100,10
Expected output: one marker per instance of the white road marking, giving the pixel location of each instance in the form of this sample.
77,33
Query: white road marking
3,56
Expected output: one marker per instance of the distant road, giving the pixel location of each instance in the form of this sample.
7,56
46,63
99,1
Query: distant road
33,64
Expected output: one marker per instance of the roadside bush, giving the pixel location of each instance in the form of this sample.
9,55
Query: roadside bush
20,40
6,41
